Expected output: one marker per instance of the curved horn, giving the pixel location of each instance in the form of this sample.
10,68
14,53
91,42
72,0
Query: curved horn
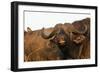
47,36
80,32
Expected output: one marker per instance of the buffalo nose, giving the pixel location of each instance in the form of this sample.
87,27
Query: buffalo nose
62,42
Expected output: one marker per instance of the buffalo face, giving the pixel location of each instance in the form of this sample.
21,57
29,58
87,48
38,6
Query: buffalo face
57,37
60,38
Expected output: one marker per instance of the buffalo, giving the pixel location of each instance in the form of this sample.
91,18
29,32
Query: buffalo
85,53
37,48
64,41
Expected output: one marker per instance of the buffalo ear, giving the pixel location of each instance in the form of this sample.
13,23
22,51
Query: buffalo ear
78,39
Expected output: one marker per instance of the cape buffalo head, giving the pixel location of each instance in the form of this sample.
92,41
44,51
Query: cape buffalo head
57,36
